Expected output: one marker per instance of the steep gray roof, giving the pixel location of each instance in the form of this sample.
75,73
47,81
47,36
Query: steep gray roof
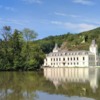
65,53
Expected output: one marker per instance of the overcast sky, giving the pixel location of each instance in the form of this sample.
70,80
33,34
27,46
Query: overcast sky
50,17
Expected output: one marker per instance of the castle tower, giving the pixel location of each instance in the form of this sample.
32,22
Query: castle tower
56,48
94,47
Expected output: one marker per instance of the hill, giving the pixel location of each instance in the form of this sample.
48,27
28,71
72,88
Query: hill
70,41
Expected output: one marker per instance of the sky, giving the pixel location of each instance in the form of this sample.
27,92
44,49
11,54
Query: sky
50,17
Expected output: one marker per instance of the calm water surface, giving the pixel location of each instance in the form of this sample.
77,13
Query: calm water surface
52,84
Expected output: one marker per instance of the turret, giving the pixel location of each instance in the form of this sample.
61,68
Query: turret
94,50
56,48
94,47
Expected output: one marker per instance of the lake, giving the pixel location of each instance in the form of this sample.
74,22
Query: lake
52,84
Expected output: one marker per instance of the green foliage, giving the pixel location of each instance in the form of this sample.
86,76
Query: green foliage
20,51
77,41
17,53
29,34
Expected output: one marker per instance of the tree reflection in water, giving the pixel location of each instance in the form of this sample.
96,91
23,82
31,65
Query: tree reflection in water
18,85
26,85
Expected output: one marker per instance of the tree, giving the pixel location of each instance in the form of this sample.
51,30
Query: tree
29,36
6,34
17,45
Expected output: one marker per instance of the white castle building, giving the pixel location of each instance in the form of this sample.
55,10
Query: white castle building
64,58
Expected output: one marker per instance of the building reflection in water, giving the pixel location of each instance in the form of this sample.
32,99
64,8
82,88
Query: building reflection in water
77,75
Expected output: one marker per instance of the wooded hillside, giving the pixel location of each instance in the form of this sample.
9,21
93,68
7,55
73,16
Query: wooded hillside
70,41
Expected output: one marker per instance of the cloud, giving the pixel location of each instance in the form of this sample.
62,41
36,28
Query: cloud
13,21
56,22
66,15
79,27
84,2
33,1
7,8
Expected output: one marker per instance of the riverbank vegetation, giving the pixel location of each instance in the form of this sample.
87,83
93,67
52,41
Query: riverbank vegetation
19,50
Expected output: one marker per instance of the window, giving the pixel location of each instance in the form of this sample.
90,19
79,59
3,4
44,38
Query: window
79,53
63,59
68,59
83,58
64,64
77,58
77,63
86,53
71,58
74,58
51,59
59,59
71,63
56,59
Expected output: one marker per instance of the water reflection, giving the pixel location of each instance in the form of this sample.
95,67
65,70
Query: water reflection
58,84
74,75
18,85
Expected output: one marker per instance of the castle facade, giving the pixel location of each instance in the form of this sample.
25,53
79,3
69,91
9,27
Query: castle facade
65,58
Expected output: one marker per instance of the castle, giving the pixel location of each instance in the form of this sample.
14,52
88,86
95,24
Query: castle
64,58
